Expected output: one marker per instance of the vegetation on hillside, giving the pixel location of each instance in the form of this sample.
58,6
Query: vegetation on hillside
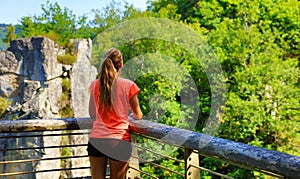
258,46
7,33
3,32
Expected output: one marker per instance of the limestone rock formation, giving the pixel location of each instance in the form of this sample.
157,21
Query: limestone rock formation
31,78
82,76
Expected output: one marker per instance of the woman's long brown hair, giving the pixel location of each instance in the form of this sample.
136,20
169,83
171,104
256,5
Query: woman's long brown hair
108,72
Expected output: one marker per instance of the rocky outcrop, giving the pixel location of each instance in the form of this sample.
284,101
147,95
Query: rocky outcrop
9,70
31,78
81,77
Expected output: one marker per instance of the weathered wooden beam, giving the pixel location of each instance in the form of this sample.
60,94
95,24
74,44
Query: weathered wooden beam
236,153
32,125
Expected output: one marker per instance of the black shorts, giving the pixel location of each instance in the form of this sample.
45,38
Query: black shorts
114,149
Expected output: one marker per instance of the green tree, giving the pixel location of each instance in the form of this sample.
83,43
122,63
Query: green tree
113,14
29,27
183,8
60,24
257,43
11,35
259,67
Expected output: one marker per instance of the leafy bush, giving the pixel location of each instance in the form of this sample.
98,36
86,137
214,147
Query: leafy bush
4,103
53,36
67,59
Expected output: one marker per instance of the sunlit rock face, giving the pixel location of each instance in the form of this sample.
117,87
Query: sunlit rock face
31,78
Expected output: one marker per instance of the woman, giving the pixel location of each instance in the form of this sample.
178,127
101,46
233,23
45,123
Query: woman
111,98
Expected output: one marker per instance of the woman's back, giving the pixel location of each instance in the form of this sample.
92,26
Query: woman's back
113,122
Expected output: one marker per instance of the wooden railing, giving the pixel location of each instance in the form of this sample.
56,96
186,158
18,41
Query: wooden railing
276,164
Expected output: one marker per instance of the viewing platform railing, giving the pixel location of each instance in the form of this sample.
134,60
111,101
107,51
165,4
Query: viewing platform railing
193,145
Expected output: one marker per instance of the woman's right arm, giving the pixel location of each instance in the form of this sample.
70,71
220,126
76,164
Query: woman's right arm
135,107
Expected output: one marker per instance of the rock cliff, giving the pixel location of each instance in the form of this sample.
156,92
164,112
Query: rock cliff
31,78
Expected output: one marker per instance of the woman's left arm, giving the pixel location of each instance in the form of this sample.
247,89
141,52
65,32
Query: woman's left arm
92,108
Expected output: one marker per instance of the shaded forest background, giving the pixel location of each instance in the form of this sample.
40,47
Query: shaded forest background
256,41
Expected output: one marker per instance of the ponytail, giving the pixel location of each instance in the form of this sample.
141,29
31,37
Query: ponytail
108,72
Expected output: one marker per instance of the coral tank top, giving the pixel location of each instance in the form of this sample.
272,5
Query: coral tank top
113,123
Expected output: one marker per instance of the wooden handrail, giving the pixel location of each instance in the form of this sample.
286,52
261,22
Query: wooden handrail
236,153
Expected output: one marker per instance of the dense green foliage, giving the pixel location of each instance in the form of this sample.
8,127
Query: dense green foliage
67,59
4,103
8,33
11,35
256,41
59,24
258,45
